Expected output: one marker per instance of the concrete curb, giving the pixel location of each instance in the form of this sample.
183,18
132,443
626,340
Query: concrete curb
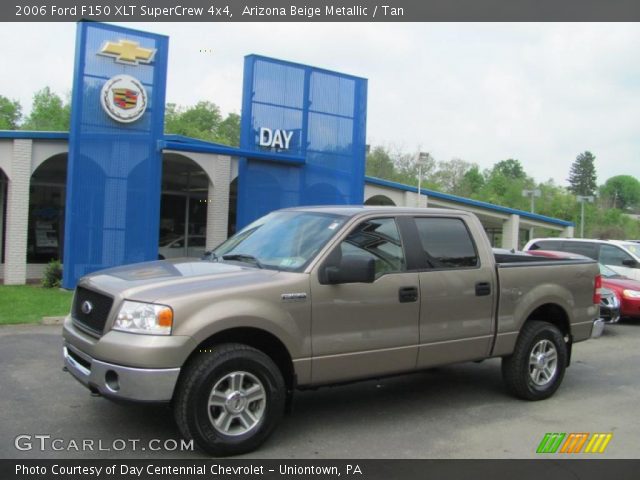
52,320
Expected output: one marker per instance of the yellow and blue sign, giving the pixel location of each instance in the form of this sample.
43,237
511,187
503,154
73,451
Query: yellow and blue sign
115,164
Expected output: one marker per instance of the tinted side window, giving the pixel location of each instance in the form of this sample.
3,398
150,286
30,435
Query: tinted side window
610,255
378,238
446,243
582,248
547,245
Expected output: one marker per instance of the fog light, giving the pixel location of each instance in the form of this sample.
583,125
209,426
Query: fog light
111,380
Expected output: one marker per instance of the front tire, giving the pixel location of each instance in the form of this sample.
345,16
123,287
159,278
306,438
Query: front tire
536,368
230,399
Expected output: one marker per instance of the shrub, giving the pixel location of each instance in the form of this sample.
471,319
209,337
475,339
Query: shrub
52,277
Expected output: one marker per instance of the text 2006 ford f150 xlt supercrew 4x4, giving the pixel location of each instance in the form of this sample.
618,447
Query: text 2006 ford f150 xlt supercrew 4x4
321,295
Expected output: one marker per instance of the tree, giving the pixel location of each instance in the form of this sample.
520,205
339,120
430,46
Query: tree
49,112
582,176
229,130
510,169
202,121
379,164
623,191
450,175
10,113
472,182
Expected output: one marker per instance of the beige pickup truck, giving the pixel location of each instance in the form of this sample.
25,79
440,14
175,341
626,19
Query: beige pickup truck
305,297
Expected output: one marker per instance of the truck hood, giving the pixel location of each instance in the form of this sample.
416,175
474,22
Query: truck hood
150,281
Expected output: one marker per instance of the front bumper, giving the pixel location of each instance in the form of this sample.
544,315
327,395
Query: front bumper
119,382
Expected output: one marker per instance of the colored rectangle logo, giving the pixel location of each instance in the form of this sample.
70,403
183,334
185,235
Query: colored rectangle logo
576,442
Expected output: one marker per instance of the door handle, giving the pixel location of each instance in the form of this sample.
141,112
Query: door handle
483,289
408,294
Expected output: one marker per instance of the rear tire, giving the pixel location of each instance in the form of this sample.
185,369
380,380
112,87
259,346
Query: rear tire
229,399
537,366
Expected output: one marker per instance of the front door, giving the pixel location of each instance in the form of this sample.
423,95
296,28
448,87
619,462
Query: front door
361,329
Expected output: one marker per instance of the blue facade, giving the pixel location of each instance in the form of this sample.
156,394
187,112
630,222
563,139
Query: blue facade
114,166
292,112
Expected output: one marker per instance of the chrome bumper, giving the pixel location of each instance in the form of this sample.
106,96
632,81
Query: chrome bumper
598,327
118,382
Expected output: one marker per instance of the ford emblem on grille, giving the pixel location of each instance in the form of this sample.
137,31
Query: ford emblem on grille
86,307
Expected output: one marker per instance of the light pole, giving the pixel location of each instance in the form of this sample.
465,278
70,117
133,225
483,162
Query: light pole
581,199
533,194
423,158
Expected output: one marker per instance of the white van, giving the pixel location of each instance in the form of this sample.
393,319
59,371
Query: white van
620,255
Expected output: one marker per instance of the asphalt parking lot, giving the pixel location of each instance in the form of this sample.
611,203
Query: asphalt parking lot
459,411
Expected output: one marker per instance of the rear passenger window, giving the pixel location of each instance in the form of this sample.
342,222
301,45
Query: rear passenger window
610,255
446,243
582,248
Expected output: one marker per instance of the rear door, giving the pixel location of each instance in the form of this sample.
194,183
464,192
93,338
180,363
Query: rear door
456,293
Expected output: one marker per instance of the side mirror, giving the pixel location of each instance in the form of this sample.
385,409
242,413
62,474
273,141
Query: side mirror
351,269
630,263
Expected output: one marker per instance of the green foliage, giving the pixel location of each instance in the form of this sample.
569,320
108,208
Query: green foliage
379,164
203,121
10,113
472,182
510,169
52,277
503,184
582,176
450,176
49,112
622,191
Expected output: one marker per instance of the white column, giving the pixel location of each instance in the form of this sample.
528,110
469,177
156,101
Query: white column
15,268
510,232
218,201
567,232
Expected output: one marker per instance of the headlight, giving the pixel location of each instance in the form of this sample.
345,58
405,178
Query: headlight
631,293
149,318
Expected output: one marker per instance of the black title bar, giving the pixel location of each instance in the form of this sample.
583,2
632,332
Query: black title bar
565,468
320,10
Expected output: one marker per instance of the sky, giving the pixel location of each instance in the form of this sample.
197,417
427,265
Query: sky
483,92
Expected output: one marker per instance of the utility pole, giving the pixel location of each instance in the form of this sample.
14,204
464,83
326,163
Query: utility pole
422,159
532,194
582,199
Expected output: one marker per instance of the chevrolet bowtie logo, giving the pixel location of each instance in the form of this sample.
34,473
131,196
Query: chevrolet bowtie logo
127,52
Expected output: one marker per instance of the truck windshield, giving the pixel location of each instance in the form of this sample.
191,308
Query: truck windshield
286,240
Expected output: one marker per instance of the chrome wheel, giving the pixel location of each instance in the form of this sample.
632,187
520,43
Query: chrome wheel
543,362
237,403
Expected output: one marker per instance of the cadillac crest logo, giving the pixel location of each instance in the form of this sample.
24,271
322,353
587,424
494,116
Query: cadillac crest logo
124,98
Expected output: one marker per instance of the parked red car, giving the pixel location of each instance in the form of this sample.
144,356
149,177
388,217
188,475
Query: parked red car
627,290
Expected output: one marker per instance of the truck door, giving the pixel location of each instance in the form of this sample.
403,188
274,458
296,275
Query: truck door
456,293
360,329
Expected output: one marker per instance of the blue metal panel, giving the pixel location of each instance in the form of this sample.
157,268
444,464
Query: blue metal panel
326,114
114,169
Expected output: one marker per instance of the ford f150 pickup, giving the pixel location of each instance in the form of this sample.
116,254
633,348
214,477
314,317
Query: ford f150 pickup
305,297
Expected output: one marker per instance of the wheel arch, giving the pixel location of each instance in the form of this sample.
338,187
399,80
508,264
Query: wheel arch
257,338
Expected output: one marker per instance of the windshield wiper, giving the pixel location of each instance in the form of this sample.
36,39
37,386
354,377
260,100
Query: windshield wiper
243,257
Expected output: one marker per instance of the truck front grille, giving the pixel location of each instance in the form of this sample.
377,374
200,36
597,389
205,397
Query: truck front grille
95,312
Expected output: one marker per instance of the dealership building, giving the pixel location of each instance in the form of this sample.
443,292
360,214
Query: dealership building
115,189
